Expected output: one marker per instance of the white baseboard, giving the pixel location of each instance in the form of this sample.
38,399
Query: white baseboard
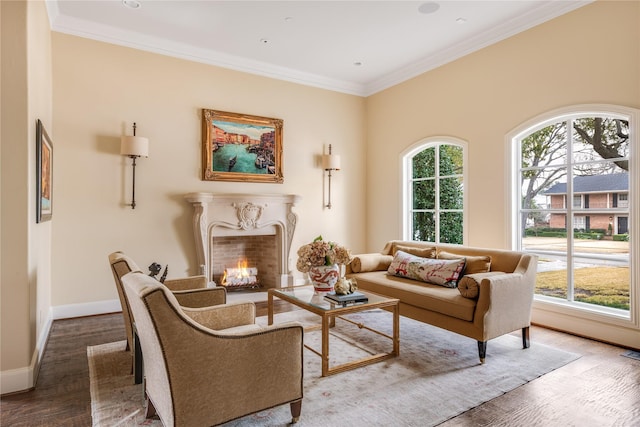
21,379
86,309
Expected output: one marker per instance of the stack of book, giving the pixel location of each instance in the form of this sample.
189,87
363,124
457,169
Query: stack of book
344,300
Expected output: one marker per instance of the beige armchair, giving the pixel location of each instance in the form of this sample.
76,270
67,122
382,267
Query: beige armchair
190,291
207,366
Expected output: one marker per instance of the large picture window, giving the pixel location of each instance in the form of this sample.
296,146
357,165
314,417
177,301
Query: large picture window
434,191
573,174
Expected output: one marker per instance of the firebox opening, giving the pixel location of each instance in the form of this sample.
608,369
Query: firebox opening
230,253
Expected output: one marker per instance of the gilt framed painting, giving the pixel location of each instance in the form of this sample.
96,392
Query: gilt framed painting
44,178
241,147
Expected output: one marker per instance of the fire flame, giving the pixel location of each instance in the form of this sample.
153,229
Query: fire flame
242,271
242,268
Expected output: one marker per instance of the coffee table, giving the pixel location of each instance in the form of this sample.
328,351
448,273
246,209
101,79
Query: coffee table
305,298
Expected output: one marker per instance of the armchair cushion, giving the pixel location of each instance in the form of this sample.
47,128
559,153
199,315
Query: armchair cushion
201,297
186,283
223,316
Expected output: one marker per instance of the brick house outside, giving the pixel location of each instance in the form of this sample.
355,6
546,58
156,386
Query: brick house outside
598,192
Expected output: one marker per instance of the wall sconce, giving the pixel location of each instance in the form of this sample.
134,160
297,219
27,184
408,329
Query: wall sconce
330,162
134,147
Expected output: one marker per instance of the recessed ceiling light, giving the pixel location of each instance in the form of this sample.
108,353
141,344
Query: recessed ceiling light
132,4
357,63
264,41
461,20
428,7
288,19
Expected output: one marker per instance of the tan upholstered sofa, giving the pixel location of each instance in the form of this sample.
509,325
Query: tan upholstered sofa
493,297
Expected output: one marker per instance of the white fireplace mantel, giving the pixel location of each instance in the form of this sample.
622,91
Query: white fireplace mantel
243,215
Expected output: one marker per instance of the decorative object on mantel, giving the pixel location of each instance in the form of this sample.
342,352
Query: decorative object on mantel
134,147
330,162
321,260
44,171
155,268
240,147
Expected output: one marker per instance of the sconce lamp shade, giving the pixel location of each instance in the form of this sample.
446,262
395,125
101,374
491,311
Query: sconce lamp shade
331,162
134,146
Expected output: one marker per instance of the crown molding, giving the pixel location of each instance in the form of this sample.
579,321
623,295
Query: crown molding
108,34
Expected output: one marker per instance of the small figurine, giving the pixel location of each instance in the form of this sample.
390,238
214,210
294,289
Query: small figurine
345,286
155,268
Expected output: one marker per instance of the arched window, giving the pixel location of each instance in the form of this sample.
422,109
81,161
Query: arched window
573,194
434,194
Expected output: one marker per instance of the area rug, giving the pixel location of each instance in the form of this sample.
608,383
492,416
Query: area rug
436,377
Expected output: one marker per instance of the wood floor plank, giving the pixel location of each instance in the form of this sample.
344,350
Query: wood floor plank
601,388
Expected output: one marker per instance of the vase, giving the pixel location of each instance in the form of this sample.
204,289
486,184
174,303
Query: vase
324,277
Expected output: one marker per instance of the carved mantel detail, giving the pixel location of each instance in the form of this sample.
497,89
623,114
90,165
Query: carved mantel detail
243,215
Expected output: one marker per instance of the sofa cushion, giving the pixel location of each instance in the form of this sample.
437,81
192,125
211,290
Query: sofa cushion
446,301
370,262
469,285
437,271
475,264
424,252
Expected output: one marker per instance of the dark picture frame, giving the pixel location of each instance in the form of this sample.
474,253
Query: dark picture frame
44,174
241,147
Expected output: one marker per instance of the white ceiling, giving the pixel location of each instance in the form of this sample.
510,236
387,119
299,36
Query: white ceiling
316,43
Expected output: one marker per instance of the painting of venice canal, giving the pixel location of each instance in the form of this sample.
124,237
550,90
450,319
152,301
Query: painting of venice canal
242,148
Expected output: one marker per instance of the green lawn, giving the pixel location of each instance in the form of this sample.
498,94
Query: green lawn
606,286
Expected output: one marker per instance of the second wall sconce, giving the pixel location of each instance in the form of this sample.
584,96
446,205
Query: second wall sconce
134,147
330,162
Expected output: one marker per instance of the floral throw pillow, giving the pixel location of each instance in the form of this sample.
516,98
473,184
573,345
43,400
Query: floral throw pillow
443,272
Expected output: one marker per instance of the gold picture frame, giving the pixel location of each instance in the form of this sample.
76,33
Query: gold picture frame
241,147
44,174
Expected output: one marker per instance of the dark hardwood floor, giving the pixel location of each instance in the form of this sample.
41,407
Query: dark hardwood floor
602,388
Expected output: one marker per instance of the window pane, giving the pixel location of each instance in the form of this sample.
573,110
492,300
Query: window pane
450,160
451,193
601,265
597,138
551,247
451,227
544,188
424,226
424,194
424,164
545,147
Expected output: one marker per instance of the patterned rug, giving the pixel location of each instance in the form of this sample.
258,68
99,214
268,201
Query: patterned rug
436,377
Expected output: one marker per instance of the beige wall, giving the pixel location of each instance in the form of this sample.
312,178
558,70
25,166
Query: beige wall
26,246
590,55
100,89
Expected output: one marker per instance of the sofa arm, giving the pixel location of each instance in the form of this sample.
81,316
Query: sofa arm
186,283
201,297
504,303
362,263
223,316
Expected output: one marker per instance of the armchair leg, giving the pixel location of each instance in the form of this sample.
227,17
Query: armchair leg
525,337
482,350
296,408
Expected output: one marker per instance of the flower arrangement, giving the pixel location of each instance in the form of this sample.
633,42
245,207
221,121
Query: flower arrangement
320,252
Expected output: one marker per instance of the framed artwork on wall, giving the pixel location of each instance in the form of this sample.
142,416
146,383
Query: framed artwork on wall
44,171
240,147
